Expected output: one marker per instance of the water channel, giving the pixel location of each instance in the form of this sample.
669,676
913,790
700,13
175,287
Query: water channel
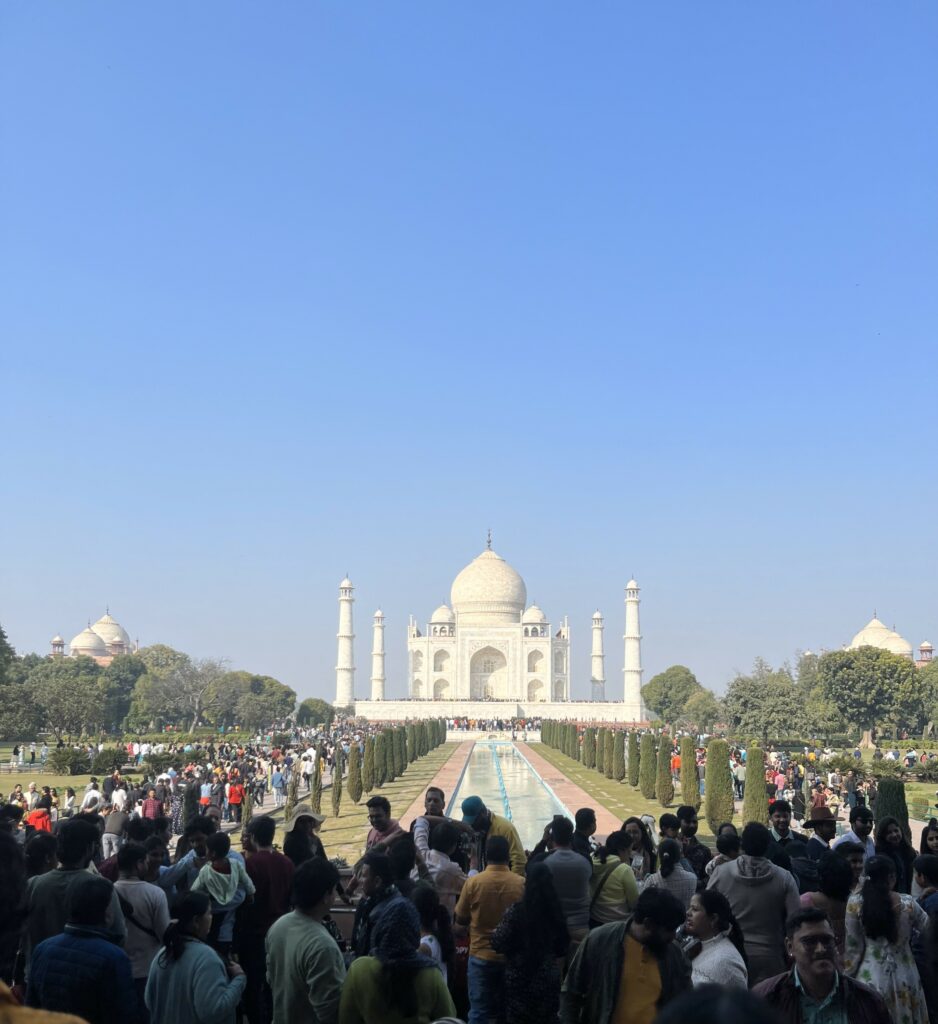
500,774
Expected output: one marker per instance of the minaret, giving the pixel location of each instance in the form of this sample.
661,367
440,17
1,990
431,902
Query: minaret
377,658
633,654
598,662
345,664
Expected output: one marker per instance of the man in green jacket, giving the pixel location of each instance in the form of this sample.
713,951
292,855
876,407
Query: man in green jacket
486,824
635,959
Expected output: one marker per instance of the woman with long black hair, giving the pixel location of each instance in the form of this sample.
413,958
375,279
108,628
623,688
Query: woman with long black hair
642,857
880,926
613,889
189,983
717,951
891,842
533,938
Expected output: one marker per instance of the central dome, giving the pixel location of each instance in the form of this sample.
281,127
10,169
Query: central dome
488,590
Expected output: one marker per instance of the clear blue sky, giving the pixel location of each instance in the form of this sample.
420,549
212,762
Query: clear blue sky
298,289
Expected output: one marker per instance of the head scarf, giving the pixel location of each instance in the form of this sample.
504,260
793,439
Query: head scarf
396,936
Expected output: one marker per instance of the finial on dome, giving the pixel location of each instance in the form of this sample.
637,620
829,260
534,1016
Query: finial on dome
107,609
488,542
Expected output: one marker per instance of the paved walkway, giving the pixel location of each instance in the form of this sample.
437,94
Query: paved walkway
570,794
446,779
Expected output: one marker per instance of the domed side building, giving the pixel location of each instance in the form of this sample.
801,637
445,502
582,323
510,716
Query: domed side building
488,644
878,634
103,641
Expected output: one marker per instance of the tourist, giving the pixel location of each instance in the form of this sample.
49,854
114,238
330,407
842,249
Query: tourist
49,895
714,1004
727,844
861,830
235,796
824,827
40,852
272,874
669,826
228,884
835,883
487,825
378,889
395,984
93,800
436,927
813,989
482,904
145,911
434,802
880,926
630,969
115,829
151,807
780,814
278,785
305,968
682,884
855,856
189,983
384,830
613,889
585,822
572,874
891,842
929,840
718,952
695,853
533,938
300,842
83,971
762,896
642,858
12,901
445,873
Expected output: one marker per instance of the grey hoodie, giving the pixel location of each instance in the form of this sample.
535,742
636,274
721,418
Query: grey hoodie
762,896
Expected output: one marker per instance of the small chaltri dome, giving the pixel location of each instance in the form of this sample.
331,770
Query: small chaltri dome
443,614
632,585
57,639
88,642
925,646
346,584
534,614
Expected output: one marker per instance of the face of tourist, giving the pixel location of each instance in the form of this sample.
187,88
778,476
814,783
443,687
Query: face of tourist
893,835
153,862
634,833
698,923
433,802
370,882
197,843
379,818
689,826
862,827
931,841
781,821
655,937
813,949
826,830
202,924
855,860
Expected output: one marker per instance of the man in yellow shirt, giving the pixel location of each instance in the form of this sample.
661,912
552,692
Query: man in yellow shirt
481,906
486,824
625,972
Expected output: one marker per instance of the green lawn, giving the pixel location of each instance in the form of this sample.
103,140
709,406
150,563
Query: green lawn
618,797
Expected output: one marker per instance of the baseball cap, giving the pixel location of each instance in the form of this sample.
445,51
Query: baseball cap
472,807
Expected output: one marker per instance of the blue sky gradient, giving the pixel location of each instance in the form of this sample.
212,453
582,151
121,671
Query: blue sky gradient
302,289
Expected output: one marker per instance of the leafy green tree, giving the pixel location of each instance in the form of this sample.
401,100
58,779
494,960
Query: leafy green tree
647,766
755,799
702,711
68,694
337,783
664,784
116,688
633,765
764,703
314,711
368,766
873,686
21,713
7,656
690,784
718,798
667,693
618,756
354,773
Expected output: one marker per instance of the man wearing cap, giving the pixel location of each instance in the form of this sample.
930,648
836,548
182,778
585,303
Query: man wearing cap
487,824
861,829
824,824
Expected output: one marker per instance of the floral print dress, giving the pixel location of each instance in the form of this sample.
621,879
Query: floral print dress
888,967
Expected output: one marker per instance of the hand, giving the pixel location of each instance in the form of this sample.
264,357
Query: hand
234,970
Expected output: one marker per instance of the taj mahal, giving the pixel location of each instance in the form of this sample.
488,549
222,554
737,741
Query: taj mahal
488,653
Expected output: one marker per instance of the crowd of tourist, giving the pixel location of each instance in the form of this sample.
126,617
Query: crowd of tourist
129,908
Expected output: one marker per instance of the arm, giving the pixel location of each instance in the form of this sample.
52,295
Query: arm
855,942
215,996
627,883
443,1005
574,988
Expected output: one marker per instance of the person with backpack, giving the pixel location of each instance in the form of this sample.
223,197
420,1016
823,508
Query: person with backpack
146,913
613,888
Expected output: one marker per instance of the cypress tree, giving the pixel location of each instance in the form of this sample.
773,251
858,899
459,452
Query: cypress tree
355,773
690,784
247,808
411,743
634,761
423,746
890,802
647,767
368,768
337,783
405,749
293,790
397,752
718,799
381,762
664,784
190,802
600,750
315,795
755,798
618,756
609,755
389,773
